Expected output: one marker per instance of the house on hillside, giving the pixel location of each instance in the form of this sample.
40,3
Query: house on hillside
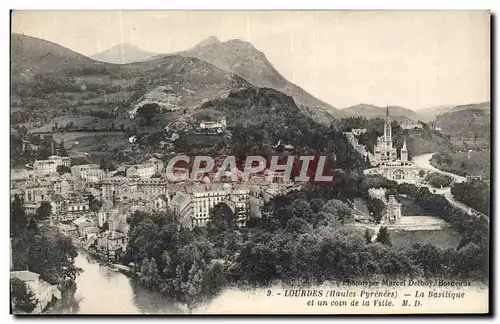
159,203
206,124
44,292
282,145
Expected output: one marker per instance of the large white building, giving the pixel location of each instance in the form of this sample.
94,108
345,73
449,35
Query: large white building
143,171
61,160
83,171
410,124
206,124
121,188
45,166
194,203
50,165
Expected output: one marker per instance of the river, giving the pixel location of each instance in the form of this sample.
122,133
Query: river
103,291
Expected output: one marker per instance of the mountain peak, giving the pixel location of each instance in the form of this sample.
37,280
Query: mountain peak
207,42
123,53
124,45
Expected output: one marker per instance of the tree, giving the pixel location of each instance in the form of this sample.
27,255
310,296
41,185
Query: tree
222,219
148,111
43,212
18,219
337,211
105,226
213,280
376,208
63,169
62,149
298,225
102,165
149,275
301,208
95,205
22,297
383,236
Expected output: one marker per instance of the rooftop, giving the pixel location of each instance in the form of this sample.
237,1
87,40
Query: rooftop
24,275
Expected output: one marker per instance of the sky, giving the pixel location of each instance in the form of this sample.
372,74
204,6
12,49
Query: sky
414,59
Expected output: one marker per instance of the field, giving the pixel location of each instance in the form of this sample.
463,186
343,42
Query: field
409,207
478,164
444,238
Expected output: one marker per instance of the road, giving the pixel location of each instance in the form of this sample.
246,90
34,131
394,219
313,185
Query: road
423,161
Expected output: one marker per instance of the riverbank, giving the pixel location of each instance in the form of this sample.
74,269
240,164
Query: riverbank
100,290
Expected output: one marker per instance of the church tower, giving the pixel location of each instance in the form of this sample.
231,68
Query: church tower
404,153
387,131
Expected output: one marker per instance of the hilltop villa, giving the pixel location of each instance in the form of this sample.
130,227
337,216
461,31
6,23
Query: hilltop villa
205,124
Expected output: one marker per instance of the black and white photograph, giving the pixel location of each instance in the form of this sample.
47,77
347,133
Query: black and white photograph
250,162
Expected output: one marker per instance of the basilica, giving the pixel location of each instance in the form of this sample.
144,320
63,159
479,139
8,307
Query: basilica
386,160
384,152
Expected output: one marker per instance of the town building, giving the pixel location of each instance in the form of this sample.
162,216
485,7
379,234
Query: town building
82,223
20,174
43,291
182,207
156,163
126,189
94,176
204,198
358,131
239,205
177,174
410,124
193,203
61,160
37,194
45,166
112,245
30,208
159,203
392,212
68,229
74,209
143,171
82,171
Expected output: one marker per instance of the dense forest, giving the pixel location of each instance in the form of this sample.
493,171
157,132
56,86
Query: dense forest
475,194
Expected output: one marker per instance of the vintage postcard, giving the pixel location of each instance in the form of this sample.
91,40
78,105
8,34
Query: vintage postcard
250,162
